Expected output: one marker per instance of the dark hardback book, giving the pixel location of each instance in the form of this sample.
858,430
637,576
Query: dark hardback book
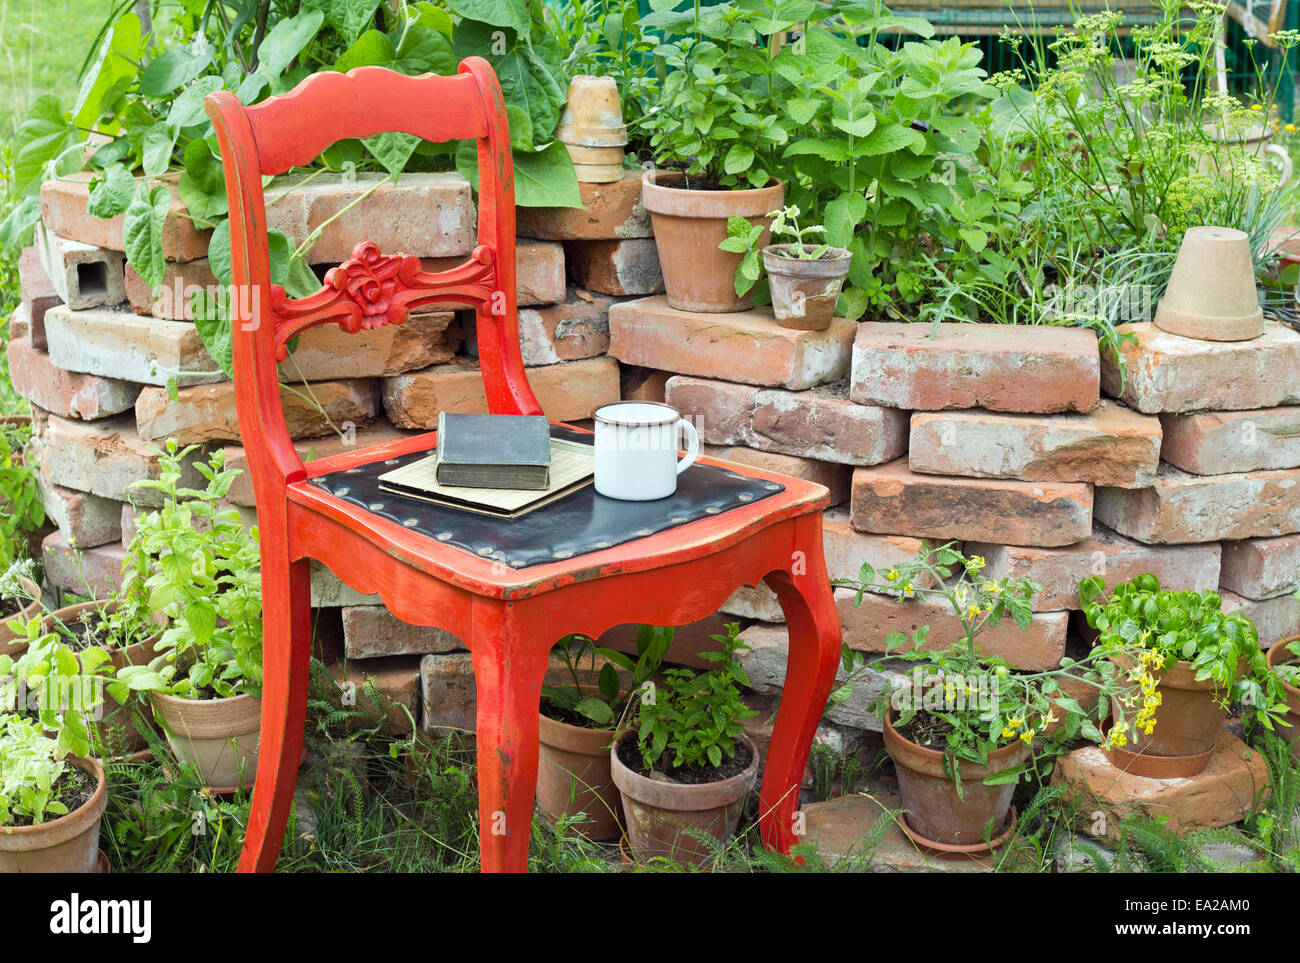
494,451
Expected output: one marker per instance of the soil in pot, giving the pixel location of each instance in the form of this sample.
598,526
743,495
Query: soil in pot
689,224
664,809
805,290
934,810
573,777
68,844
1279,655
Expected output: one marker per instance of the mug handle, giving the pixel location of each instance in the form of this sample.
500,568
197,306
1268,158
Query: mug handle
1283,161
692,445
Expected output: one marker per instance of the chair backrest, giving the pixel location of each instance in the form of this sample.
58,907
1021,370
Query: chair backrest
373,288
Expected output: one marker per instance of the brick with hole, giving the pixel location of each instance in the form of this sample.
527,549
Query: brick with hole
82,275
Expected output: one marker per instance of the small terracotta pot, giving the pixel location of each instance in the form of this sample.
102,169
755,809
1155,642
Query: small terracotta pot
689,226
1211,292
660,815
573,777
7,635
593,114
804,292
69,844
934,811
1187,723
219,737
596,165
1278,655
118,724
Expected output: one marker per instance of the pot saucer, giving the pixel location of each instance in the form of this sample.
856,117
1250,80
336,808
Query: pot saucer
952,850
1156,767
103,865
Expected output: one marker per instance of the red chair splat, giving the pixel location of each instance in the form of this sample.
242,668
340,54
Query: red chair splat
509,615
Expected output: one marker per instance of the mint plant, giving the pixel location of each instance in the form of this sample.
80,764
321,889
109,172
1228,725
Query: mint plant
595,699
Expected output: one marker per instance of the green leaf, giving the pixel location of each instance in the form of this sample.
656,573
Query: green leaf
976,239
187,108
286,40
112,192
499,13
156,152
738,158
16,229
597,710
542,179
347,17
888,138
42,136
112,68
174,68
842,217
142,230
392,149
202,186
858,127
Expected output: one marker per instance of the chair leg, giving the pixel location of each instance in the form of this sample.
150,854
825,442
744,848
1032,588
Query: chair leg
286,651
814,654
510,657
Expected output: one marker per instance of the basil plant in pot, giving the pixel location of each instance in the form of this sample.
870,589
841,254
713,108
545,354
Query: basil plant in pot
1186,661
200,569
685,765
964,726
1284,661
577,728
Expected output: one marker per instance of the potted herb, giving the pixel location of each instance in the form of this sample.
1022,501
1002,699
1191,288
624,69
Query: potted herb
1187,660
1284,662
577,728
966,726
686,767
715,130
20,600
51,803
203,576
804,278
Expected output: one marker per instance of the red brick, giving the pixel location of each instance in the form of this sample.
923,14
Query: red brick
642,384
1275,619
629,267
1166,372
847,549
566,391
181,280
33,282
539,272
1109,445
836,478
890,499
105,458
94,572
84,520
1181,508
63,211
609,212
1261,568
1106,554
1221,442
66,393
328,351
744,346
1002,367
1035,648
395,681
371,631
576,329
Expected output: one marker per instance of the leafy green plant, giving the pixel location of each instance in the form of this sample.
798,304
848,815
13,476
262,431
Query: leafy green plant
199,566
696,715
742,238
595,698
31,771
1143,623
21,509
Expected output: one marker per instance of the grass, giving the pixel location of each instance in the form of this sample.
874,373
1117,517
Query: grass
42,45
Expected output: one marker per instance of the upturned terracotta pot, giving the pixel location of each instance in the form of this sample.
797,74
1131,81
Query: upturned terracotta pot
661,815
1278,655
593,114
7,635
573,777
69,844
929,794
118,730
219,737
1187,722
1211,292
689,226
804,292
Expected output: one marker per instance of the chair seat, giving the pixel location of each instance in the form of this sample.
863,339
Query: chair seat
578,532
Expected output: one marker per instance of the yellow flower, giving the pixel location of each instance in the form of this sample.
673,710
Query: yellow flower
975,563
892,575
973,611
1256,106
908,589
1027,736
1290,128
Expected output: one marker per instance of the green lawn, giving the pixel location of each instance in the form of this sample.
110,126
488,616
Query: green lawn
42,45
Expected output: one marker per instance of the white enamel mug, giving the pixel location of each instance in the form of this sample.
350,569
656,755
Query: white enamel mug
636,450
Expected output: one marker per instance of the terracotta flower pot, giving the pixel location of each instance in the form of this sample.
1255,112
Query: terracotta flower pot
1211,292
593,114
69,844
660,815
117,728
804,292
573,777
219,737
7,635
1188,721
689,226
1279,655
934,811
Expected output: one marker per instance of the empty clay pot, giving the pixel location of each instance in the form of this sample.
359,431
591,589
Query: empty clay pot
69,844
688,227
660,815
1255,141
7,635
573,777
1211,292
1280,655
219,737
593,114
804,292
929,794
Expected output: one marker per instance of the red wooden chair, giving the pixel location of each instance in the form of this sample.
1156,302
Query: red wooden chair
508,609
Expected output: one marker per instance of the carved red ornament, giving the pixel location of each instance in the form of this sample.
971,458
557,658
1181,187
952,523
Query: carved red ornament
371,279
